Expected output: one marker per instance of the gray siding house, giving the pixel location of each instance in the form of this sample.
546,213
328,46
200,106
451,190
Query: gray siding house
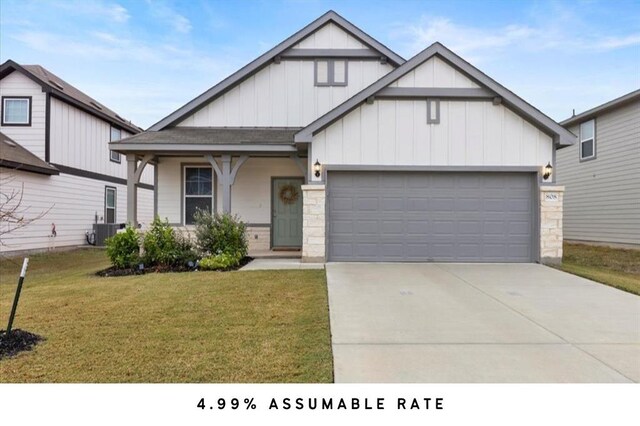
601,173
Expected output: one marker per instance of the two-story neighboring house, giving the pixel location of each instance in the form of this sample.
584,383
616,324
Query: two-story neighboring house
332,144
601,173
54,152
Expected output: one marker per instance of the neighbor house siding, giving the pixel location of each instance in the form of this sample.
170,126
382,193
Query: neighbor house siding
70,202
602,198
283,95
395,132
30,137
81,141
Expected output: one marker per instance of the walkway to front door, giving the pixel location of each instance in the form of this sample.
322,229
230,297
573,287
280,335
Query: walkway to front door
286,210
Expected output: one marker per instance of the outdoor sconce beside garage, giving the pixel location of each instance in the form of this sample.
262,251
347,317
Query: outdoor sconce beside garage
547,171
317,168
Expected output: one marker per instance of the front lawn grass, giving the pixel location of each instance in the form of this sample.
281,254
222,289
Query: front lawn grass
616,267
258,326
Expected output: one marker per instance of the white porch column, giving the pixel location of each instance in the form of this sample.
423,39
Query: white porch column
227,176
132,191
134,172
313,223
551,237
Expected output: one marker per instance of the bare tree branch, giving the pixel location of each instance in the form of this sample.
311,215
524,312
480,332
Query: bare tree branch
13,214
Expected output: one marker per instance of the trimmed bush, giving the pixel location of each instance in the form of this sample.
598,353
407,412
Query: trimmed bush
220,262
220,233
123,248
162,246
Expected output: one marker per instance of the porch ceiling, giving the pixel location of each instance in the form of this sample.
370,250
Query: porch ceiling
208,139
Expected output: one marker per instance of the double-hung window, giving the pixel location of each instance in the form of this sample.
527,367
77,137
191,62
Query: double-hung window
110,196
16,110
116,135
588,140
331,72
198,192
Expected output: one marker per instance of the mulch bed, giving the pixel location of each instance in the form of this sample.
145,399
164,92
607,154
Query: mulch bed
115,272
17,341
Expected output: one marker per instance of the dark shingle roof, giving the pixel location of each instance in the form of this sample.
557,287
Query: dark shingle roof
214,136
601,109
15,156
65,91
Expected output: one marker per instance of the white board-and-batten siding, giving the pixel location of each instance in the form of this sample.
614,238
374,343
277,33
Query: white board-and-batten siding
250,194
330,36
81,140
602,196
394,132
30,137
283,95
70,202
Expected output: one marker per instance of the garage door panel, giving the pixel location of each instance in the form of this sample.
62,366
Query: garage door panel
430,216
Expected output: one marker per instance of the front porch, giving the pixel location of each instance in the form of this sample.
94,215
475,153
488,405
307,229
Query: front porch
257,175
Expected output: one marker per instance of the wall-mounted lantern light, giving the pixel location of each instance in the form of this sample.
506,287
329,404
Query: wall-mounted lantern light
317,167
547,171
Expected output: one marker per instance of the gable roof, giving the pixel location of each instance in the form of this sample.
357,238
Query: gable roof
66,92
266,58
15,156
561,136
600,109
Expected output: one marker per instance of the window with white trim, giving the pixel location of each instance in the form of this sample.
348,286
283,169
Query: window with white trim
588,140
198,191
331,72
16,111
116,135
110,196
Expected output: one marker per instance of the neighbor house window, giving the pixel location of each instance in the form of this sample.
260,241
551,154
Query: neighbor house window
198,192
109,205
116,135
16,111
588,140
331,72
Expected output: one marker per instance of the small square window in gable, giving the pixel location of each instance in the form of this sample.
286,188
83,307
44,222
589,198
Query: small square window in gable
331,72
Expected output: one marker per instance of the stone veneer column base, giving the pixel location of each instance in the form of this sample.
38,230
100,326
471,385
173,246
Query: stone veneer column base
259,238
313,223
551,198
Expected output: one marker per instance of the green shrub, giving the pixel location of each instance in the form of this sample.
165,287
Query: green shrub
162,246
123,249
220,233
220,261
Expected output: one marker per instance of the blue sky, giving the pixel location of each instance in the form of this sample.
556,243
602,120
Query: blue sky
146,58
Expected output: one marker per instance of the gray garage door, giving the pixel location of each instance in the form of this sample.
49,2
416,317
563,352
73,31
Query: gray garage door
430,216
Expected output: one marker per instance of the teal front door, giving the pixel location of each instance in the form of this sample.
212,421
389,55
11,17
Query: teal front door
286,202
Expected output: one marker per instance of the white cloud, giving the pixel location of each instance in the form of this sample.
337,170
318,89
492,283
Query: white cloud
169,16
96,8
610,43
479,41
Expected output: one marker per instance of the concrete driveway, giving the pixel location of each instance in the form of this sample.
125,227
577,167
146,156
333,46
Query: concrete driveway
479,323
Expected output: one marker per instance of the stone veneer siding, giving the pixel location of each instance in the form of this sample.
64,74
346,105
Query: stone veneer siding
259,238
551,224
313,223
